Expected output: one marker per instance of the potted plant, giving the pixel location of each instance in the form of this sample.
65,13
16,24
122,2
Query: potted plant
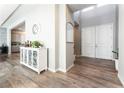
36,44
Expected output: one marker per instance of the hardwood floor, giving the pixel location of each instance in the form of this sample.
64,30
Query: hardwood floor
87,73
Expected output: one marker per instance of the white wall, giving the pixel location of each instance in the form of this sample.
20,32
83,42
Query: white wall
36,14
70,57
57,36
121,43
62,38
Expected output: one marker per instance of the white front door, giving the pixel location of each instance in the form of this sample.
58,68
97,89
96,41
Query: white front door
104,41
97,41
88,42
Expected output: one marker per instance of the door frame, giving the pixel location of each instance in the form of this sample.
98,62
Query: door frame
16,23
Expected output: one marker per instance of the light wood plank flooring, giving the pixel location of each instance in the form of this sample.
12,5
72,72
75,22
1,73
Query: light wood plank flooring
87,73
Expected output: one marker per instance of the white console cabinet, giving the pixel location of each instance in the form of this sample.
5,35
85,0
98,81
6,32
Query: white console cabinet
34,58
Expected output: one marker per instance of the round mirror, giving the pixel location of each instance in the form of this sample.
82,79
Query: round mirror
35,29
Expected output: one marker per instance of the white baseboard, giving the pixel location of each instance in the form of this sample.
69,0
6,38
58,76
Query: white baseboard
116,64
86,56
69,67
122,81
62,70
52,70
66,70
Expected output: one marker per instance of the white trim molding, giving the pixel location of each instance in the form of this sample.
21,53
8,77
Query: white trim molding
52,70
121,80
62,70
69,67
11,26
66,70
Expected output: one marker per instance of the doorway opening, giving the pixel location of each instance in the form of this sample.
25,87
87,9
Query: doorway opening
17,37
95,32
97,41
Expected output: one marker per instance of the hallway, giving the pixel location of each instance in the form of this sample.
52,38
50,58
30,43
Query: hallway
86,73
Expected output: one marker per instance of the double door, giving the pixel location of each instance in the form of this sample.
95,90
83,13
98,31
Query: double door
97,41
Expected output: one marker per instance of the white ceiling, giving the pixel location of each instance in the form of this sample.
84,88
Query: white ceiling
6,10
76,7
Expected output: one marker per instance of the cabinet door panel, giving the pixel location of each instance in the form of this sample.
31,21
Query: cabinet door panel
21,55
25,56
35,56
30,57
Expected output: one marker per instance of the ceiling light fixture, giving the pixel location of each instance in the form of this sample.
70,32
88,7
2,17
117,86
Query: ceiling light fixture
99,5
89,8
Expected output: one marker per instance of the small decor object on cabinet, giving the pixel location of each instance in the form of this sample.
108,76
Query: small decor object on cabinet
27,43
34,58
